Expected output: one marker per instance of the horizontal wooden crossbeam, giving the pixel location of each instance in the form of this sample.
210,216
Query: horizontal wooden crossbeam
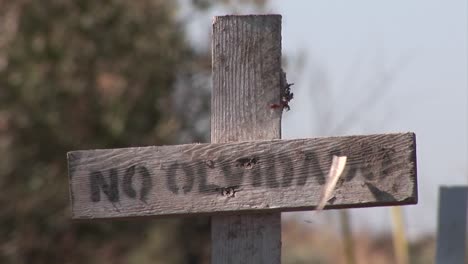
267,176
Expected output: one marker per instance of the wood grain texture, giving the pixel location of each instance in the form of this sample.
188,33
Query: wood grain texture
451,231
270,176
249,238
246,82
246,78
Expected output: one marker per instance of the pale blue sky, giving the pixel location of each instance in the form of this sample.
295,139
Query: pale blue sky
353,43
348,48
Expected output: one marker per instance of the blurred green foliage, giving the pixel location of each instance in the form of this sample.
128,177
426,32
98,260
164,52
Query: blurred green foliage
91,74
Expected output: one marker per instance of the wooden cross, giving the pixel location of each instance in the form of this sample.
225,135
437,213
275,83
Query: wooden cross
246,176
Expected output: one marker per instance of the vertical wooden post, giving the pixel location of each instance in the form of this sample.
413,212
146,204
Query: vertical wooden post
246,61
451,231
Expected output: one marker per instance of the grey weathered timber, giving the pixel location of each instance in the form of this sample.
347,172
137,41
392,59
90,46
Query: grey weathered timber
269,176
247,72
251,238
451,231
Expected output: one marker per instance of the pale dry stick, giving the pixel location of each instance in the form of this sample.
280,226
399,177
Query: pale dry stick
337,167
348,245
400,243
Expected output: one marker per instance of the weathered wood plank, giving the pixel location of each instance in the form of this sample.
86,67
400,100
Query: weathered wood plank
451,231
253,237
272,176
246,81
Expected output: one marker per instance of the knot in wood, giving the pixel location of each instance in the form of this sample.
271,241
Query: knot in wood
210,164
228,192
246,163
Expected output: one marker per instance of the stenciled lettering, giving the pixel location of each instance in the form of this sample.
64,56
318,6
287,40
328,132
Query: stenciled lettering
109,187
146,184
204,186
234,176
270,174
269,170
310,164
287,172
189,176
372,159
171,173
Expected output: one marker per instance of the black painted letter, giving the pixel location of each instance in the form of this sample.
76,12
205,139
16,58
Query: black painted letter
111,189
170,174
146,184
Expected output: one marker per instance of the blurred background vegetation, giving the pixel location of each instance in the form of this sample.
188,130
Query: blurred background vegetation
88,74
92,74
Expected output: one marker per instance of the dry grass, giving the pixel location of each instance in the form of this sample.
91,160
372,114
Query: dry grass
313,245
